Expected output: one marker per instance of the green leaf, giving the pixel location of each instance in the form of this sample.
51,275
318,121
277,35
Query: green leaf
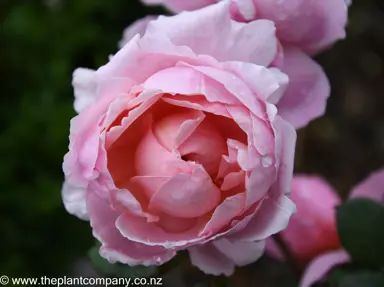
107,269
362,279
336,276
361,230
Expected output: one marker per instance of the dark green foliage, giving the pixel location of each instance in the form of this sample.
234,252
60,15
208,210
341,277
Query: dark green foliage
360,227
352,277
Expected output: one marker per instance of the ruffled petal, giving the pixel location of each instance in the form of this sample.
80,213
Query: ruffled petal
138,229
85,88
74,199
219,36
310,25
116,248
189,80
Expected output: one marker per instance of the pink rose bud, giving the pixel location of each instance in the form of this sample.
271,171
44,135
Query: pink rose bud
179,143
312,230
372,188
310,25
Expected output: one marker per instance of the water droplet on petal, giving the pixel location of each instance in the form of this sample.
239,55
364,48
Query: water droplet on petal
266,160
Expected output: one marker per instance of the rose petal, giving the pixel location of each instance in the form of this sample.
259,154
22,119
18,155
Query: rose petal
371,187
116,248
285,144
310,25
258,183
218,36
186,195
232,180
321,265
74,199
135,107
138,229
272,217
210,260
174,129
241,253
231,207
153,159
270,84
85,88
189,80
238,90
150,184
151,53
137,27
306,96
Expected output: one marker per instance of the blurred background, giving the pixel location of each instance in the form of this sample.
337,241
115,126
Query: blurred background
43,41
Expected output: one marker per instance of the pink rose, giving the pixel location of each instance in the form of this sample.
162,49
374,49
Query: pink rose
315,219
371,188
179,145
310,25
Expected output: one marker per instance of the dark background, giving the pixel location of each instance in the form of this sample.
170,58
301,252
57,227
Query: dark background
42,42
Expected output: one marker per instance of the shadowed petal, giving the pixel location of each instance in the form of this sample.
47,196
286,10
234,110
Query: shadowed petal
321,265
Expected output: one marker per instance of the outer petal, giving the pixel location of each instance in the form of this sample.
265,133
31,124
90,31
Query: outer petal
219,36
85,87
221,256
152,53
320,266
272,217
309,24
210,260
285,143
240,252
148,233
371,187
137,27
74,199
308,90
116,248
